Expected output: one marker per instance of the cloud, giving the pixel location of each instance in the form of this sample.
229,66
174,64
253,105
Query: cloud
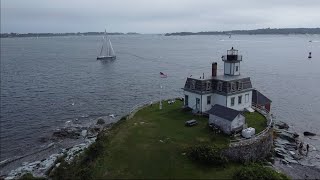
155,16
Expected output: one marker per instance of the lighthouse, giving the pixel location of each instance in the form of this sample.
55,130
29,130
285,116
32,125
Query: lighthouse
232,62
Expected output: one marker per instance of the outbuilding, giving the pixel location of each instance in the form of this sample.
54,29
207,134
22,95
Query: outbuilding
227,119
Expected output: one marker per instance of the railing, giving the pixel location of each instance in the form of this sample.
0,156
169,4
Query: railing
244,141
232,58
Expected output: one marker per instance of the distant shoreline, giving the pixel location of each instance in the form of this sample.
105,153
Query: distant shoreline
280,31
12,35
266,31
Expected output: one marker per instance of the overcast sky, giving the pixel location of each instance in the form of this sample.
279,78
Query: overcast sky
155,16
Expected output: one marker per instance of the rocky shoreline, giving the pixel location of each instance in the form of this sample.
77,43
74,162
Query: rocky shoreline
81,136
292,154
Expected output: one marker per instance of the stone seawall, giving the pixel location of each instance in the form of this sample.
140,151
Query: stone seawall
252,151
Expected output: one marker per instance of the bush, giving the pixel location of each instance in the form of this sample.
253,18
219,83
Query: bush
29,176
256,171
207,155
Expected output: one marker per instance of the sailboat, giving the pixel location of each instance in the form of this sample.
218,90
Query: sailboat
106,51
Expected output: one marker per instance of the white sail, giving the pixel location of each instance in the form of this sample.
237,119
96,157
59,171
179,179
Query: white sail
106,49
111,51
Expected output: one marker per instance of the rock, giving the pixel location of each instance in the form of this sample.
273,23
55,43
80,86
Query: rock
292,153
58,164
283,161
291,160
100,121
289,136
282,125
307,133
84,133
68,132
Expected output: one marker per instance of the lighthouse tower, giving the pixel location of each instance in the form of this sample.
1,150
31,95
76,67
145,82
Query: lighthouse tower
232,62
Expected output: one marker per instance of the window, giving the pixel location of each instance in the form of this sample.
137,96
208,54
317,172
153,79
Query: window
239,99
208,85
237,68
239,85
193,84
247,98
208,99
233,86
186,100
232,101
219,87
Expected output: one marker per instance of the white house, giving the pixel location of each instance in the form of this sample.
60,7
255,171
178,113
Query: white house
228,120
231,89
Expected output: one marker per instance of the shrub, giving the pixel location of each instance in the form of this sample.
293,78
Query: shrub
256,171
207,155
29,176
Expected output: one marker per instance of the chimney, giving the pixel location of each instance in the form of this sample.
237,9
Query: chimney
214,69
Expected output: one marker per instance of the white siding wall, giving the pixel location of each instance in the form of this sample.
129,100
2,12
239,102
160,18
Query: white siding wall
192,99
223,124
227,68
244,104
238,122
218,99
205,106
230,68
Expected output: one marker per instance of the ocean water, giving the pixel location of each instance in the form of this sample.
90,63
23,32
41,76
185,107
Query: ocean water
46,82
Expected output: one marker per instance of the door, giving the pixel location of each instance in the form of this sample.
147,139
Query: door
186,100
197,103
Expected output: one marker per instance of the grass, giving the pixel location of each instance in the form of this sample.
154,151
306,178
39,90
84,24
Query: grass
256,120
152,145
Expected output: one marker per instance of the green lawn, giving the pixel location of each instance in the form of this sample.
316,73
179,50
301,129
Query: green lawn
152,145
256,120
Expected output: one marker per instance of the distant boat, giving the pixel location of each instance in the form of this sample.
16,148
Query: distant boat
106,51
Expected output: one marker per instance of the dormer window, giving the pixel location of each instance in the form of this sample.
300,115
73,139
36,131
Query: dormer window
193,84
239,85
219,86
233,87
208,85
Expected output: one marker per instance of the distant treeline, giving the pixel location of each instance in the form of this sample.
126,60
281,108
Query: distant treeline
255,31
7,35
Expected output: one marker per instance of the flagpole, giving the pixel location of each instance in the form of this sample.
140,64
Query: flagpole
160,104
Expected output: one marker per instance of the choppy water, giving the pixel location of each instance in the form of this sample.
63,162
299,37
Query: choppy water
48,81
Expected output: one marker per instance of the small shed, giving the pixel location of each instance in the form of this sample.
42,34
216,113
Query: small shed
261,101
227,119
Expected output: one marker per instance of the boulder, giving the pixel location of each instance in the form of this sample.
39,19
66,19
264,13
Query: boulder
282,125
289,136
84,133
307,133
100,121
68,132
